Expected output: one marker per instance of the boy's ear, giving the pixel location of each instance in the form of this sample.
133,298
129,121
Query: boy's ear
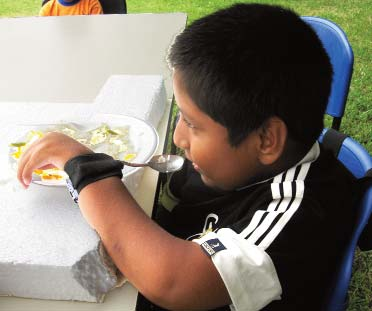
272,140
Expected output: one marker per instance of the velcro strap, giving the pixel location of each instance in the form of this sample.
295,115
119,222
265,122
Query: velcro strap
88,168
332,140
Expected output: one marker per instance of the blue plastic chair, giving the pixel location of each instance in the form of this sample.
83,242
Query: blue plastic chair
342,58
357,160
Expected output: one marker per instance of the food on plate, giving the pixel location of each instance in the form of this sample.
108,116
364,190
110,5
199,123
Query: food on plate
51,174
113,141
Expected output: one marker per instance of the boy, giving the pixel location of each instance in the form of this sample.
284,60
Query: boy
258,216
70,7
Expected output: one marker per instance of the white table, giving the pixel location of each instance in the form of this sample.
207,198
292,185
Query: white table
120,44
69,58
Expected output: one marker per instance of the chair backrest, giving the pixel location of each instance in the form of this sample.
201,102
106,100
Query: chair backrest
357,160
109,6
114,6
342,58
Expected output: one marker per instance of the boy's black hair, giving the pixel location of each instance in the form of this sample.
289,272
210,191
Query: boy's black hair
249,62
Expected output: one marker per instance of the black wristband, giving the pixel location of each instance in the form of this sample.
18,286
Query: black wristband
88,168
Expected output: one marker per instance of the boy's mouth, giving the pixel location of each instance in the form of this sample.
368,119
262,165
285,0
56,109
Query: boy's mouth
196,167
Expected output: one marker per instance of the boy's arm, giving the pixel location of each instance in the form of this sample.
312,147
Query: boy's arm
171,272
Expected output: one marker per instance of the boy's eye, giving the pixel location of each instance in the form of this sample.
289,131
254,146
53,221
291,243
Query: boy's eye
188,124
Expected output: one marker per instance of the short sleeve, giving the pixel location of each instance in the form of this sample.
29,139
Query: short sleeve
246,270
96,8
45,10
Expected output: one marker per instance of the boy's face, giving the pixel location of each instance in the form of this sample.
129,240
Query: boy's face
206,145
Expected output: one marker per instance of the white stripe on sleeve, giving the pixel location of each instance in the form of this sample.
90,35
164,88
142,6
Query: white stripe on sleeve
246,270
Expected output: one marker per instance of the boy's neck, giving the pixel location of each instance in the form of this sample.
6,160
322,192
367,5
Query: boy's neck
293,153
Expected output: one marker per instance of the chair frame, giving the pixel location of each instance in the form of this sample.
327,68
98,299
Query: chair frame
341,56
358,161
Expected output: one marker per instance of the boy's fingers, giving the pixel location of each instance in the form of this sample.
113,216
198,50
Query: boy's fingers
21,164
27,164
26,176
24,173
29,168
46,167
25,158
45,153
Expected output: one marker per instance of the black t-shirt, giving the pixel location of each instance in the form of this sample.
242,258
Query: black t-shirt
278,240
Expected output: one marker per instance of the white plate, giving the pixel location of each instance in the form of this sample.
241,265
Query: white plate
142,136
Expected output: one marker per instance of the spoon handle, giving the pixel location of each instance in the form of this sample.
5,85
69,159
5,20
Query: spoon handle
134,164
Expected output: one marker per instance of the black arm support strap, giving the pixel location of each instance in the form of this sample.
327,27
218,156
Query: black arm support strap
88,168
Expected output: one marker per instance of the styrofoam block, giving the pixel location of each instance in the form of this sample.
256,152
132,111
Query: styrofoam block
141,96
47,250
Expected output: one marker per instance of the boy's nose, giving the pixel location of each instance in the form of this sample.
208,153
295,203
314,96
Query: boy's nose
180,136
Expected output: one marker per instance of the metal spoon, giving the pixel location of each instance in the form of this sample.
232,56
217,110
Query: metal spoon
163,163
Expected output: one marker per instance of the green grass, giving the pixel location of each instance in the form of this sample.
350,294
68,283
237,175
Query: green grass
355,17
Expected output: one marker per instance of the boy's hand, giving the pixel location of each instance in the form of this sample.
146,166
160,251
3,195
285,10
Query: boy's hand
52,150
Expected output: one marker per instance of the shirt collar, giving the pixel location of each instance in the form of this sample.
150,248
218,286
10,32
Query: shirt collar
65,3
310,156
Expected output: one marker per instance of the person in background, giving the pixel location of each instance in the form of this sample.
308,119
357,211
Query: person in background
71,7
